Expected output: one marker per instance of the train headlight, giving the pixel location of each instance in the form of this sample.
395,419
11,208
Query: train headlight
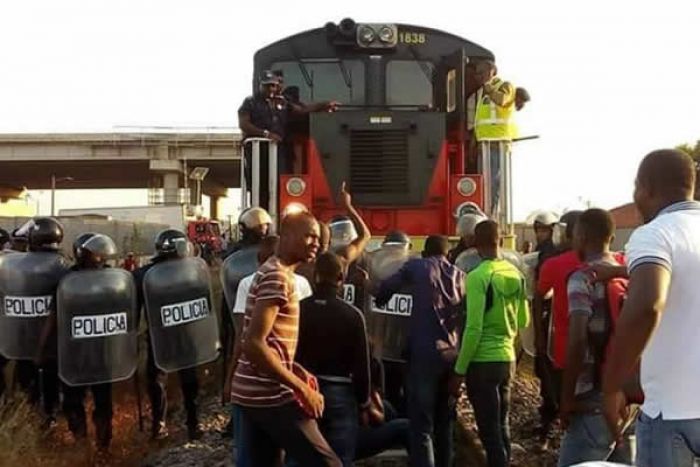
466,186
296,186
386,34
293,208
366,35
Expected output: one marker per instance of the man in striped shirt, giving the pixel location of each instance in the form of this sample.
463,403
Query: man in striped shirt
278,404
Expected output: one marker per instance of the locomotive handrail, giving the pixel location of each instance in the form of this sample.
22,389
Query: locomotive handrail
255,176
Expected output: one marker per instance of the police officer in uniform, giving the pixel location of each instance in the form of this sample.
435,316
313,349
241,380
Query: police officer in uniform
254,224
91,252
44,234
265,115
4,242
465,231
167,250
396,246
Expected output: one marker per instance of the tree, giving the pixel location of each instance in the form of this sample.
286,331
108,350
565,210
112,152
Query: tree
692,151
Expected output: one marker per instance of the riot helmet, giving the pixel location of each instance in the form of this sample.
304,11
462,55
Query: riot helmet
78,244
397,238
544,223
171,243
4,238
342,232
255,224
567,222
18,239
467,223
45,233
97,249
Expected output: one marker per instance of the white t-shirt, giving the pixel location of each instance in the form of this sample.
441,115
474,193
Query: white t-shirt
302,286
670,365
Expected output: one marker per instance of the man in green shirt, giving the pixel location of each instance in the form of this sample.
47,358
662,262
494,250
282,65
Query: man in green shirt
496,309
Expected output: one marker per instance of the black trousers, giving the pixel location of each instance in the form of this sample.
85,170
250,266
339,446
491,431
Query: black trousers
158,391
395,374
488,388
36,387
3,383
550,390
74,408
269,431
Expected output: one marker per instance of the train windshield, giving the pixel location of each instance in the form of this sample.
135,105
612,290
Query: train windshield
409,83
325,79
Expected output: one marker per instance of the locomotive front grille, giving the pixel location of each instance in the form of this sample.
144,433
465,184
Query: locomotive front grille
379,161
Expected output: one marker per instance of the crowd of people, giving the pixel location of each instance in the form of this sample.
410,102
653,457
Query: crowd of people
319,372
303,379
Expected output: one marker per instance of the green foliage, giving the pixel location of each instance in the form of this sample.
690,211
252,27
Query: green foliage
692,150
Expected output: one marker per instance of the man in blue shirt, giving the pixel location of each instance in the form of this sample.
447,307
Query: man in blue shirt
437,291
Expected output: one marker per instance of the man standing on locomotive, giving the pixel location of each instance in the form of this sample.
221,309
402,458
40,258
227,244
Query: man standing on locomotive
265,115
493,126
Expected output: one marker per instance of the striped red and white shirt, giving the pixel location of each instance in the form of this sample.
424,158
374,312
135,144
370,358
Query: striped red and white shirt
251,386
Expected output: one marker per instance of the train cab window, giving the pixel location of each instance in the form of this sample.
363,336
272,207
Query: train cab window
409,83
325,80
451,90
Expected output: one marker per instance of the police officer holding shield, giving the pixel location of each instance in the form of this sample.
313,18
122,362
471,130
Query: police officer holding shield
183,331
387,325
240,260
28,283
97,334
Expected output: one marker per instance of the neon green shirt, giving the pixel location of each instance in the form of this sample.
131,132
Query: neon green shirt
489,335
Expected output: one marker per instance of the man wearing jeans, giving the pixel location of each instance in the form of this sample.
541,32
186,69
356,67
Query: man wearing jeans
437,289
278,403
660,321
333,346
587,437
494,129
496,309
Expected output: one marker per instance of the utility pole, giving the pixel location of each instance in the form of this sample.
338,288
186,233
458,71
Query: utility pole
54,180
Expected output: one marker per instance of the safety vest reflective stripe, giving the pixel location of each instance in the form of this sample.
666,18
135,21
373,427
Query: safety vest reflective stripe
493,122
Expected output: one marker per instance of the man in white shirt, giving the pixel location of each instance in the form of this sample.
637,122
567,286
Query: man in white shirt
660,321
301,286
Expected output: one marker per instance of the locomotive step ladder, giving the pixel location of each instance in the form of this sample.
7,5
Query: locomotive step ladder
256,144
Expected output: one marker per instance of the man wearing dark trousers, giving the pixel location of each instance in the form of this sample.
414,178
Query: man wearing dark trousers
496,309
437,290
158,379
333,346
277,397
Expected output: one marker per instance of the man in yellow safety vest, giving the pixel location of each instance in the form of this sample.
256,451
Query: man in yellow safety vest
494,130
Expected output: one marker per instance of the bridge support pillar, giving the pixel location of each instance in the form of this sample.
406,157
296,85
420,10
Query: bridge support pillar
168,173
214,206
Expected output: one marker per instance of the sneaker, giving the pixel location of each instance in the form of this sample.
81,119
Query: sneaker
227,432
160,431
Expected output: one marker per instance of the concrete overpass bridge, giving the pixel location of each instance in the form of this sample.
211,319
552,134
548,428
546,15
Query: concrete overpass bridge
158,161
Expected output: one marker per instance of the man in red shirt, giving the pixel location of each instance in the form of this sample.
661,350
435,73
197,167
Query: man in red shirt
550,337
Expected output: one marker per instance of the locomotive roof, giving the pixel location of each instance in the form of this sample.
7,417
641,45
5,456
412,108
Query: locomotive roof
310,41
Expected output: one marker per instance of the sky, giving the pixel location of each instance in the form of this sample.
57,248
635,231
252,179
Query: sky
610,80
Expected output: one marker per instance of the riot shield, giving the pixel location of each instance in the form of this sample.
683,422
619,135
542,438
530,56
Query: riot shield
97,325
28,283
355,286
237,266
388,326
183,327
468,260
